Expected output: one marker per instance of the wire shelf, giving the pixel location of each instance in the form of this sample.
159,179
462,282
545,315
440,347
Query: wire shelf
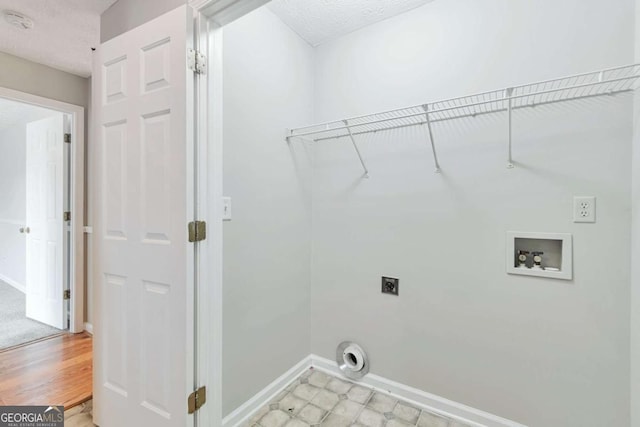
610,81
597,83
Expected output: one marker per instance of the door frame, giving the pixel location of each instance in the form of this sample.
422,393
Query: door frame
76,198
210,18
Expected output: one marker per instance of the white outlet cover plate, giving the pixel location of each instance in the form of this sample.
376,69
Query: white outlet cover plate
584,209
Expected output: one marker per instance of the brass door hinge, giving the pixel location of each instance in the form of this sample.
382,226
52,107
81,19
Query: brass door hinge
197,399
197,231
66,294
66,216
67,138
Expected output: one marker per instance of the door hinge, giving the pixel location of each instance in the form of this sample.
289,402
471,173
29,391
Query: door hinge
197,399
66,216
66,294
196,61
67,138
197,231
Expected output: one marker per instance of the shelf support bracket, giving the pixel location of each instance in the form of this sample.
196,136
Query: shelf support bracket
355,146
425,107
507,94
289,135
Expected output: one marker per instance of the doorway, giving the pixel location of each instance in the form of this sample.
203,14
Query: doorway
34,255
40,258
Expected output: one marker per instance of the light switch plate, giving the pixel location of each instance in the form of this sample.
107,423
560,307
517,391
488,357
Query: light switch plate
584,209
226,208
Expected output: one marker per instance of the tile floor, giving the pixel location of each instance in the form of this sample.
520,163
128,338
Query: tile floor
318,399
79,416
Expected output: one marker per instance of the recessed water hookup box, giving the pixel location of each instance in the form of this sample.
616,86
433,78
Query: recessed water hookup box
540,254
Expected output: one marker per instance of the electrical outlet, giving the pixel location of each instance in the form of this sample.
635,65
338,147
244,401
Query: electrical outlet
584,209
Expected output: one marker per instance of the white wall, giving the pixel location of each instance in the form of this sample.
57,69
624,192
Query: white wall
30,77
635,247
268,84
125,15
542,352
13,164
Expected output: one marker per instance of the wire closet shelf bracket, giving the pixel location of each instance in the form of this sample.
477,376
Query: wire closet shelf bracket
605,82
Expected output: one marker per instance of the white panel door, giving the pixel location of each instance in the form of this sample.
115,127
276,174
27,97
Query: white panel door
45,227
143,327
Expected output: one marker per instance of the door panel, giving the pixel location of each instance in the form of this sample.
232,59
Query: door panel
143,338
46,164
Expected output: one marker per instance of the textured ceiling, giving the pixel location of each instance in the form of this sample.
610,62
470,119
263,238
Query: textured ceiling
318,21
12,113
64,32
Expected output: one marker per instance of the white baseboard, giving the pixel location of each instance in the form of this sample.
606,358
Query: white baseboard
247,409
419,398
22,288
88,327
422,399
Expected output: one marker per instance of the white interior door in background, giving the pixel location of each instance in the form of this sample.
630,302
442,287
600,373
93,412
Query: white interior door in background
143,300
45,227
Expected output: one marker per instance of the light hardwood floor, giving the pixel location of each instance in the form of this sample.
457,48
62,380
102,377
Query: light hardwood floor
55,371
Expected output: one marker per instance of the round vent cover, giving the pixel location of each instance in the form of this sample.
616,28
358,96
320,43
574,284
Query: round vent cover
352,360
17,19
